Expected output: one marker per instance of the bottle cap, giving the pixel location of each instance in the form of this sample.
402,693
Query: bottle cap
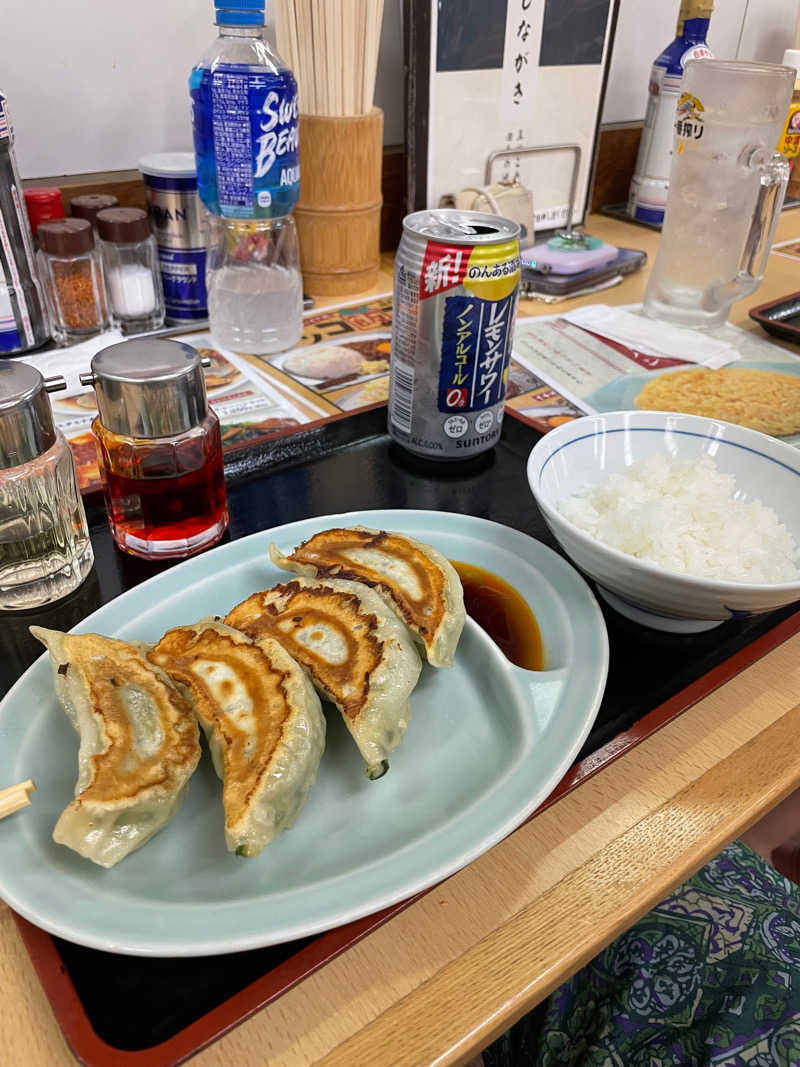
169,165
695,9
123,225
148,387
239,12
43,203
88,205
66,237
26,418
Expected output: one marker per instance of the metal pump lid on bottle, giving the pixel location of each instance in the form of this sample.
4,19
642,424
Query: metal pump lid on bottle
26,418
149,387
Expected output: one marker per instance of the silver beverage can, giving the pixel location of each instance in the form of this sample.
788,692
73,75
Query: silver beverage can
456,284
179,224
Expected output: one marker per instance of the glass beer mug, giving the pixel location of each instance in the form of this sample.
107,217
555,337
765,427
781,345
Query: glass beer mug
726,190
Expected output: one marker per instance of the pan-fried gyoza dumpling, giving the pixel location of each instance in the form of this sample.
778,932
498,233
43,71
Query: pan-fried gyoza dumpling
414,579
139,744
263,721
357,652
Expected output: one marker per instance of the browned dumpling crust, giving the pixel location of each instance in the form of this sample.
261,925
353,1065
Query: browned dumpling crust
419,583
112,668
139,744
263,720
289,609
357,652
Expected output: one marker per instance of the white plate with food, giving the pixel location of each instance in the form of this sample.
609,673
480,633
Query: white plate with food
484,745
336,362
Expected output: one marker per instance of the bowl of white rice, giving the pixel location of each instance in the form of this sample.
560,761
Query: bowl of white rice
683,522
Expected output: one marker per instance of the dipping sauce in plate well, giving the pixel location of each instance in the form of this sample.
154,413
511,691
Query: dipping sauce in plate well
498,609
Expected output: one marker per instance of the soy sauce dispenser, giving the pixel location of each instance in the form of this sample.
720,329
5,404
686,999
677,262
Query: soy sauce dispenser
159,449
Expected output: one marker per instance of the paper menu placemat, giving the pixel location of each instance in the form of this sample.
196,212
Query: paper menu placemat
599,374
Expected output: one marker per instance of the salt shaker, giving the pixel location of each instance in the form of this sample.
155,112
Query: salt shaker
72,276
159,449
45,551
130,258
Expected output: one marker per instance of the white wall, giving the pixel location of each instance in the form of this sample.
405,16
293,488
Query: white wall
644,27
113,81
94,85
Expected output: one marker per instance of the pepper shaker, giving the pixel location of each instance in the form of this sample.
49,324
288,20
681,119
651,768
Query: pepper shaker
45,551
159,449
130,258
72,276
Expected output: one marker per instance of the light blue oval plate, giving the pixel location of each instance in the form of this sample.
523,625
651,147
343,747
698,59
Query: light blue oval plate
620,395
486,744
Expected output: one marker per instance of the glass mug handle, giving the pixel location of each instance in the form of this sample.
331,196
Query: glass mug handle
773,176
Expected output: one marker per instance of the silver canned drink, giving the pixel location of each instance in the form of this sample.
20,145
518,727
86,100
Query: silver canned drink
179,224
456,283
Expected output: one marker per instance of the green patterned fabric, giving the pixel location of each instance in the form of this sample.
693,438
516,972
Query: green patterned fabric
710,976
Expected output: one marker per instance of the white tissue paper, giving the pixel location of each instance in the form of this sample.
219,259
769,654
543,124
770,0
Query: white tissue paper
654,338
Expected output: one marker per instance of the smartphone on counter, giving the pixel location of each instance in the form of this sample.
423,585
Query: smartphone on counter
627,261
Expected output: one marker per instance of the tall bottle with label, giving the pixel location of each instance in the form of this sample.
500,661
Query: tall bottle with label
245,115
23,324
650,183
789,143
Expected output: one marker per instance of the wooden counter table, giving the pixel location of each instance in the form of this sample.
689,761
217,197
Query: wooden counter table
442,979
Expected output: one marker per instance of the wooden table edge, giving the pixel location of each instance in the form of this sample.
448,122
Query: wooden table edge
515,967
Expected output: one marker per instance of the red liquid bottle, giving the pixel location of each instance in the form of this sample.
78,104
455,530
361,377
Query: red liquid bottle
159,449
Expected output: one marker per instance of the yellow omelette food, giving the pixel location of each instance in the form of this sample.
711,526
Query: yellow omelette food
759,399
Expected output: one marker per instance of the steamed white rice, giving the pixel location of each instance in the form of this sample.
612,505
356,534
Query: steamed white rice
684,516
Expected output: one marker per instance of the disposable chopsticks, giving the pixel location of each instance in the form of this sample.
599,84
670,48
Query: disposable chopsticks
15,797
332,47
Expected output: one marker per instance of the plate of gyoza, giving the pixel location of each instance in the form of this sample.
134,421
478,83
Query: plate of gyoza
220,805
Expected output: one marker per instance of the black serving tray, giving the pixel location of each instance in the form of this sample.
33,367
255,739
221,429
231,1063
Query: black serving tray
781,318
345,464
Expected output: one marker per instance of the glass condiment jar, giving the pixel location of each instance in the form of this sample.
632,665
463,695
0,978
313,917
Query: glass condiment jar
159,449
89,205
133,276
72,276
45,551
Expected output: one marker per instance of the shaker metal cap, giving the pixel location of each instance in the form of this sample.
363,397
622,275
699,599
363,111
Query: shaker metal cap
148,387
26,418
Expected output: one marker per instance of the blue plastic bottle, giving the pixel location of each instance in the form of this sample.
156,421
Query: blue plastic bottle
650,184
244,108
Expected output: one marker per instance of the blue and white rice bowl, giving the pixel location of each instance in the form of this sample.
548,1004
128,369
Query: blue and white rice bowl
583,454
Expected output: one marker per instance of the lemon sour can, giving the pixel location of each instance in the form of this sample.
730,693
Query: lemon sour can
456,284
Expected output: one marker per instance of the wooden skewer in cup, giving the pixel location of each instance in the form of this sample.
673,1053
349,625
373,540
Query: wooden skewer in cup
15,797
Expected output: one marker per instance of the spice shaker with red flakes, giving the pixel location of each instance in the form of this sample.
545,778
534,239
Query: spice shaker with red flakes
159,449
72,277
